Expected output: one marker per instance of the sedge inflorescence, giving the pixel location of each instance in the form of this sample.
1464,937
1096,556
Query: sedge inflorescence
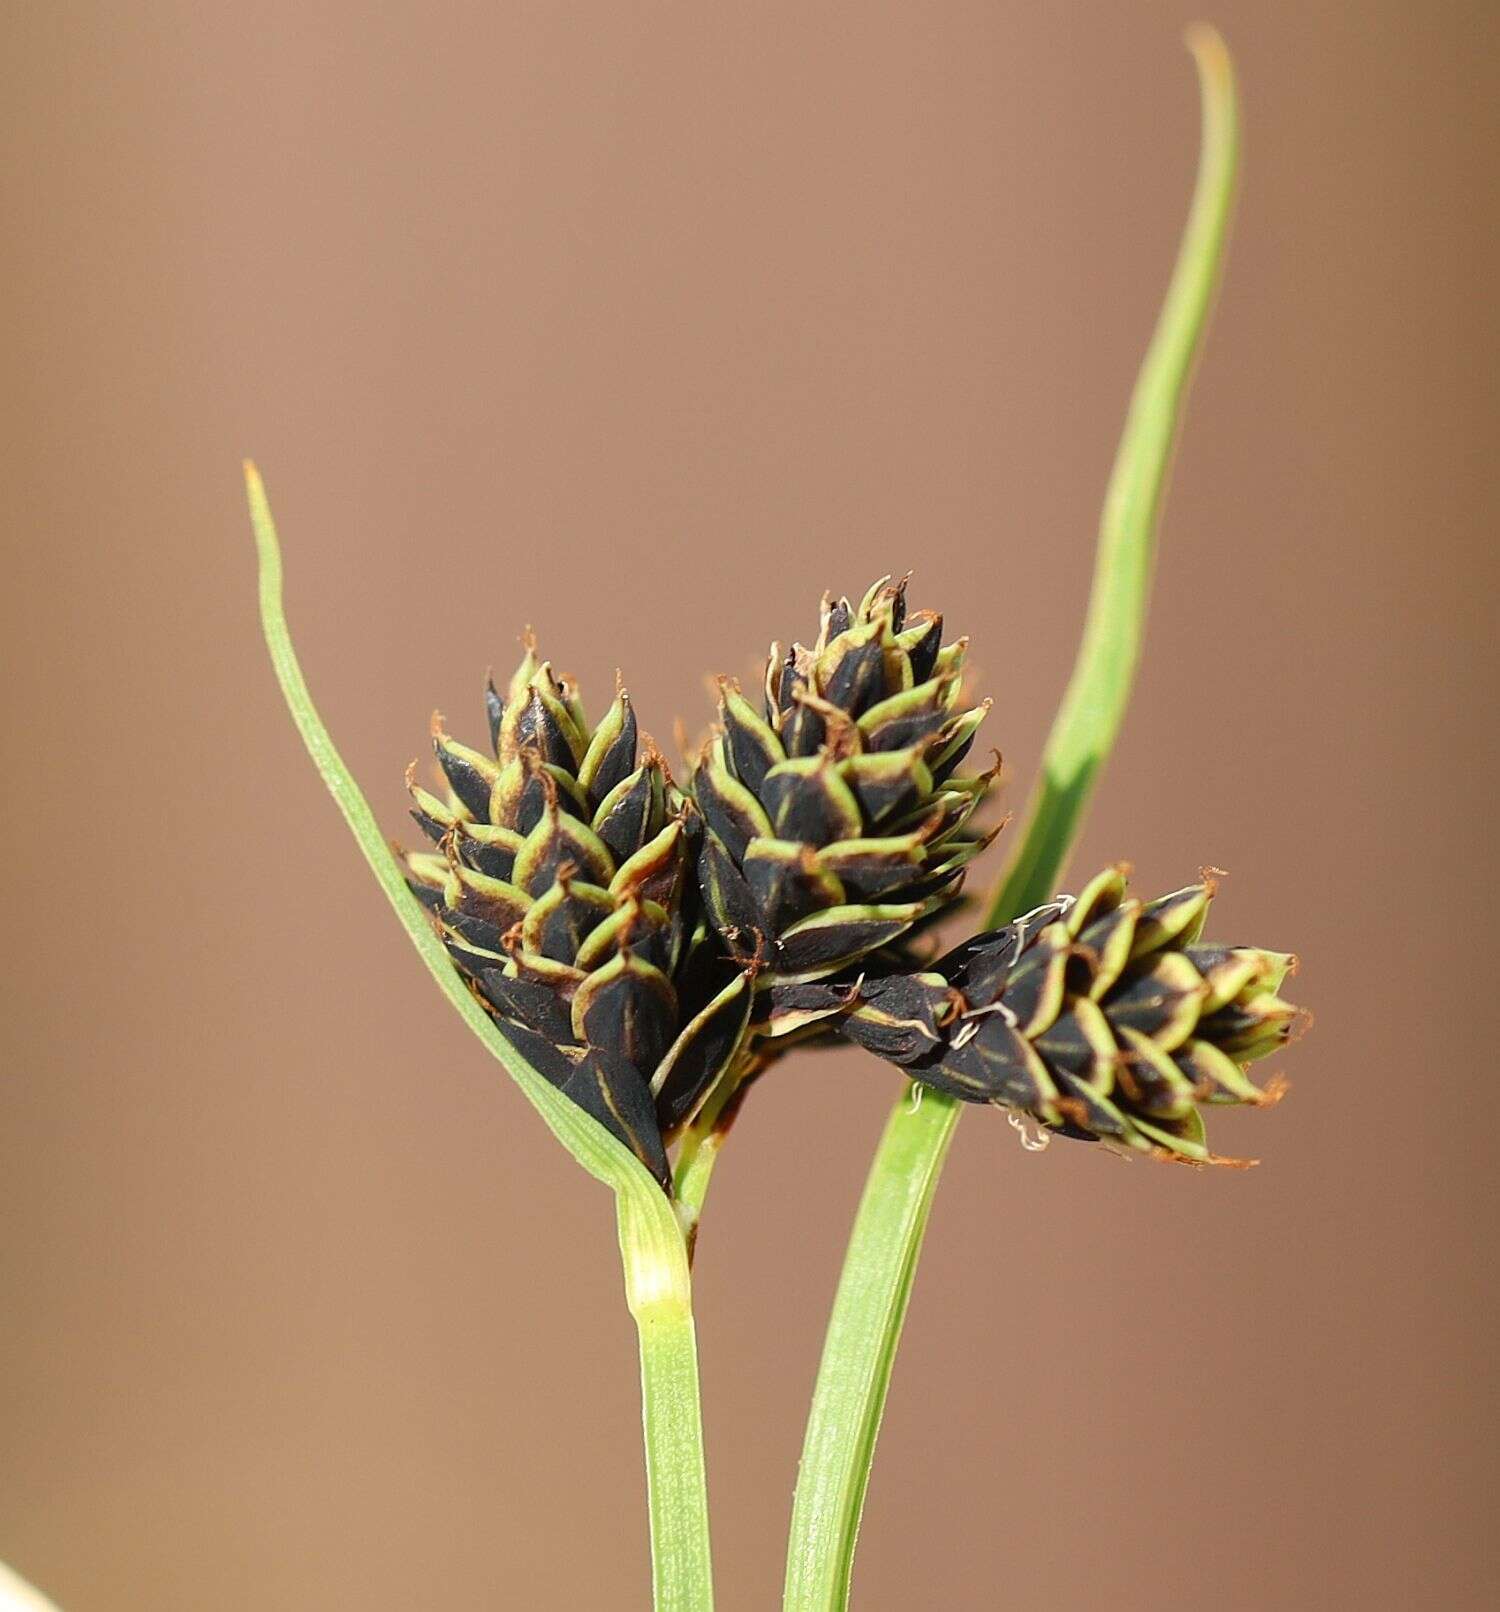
650,948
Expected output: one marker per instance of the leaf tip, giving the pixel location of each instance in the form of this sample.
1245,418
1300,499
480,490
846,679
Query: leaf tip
1211,54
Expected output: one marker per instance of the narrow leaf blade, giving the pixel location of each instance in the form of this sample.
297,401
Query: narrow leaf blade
1098,692
589,1143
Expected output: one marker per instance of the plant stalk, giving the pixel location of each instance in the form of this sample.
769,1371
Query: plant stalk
660,1300
859,1351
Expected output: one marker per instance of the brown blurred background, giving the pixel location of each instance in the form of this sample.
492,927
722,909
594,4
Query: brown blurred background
645,323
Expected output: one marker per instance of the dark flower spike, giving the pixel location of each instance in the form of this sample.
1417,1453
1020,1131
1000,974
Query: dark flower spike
834,818
1102,1018
561,882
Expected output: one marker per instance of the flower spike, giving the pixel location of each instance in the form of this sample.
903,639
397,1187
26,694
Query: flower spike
562,885
836,821
1102,1018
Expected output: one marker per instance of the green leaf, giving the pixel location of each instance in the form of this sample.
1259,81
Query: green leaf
1093,705
875,1287
860,1348
652,1247
594,1148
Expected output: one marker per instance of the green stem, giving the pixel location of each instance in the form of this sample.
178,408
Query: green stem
695,1167
652,1246
860,1348
701,1142
875,1287
676,1485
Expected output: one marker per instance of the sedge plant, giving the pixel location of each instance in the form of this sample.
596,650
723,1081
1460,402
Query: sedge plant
639,953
